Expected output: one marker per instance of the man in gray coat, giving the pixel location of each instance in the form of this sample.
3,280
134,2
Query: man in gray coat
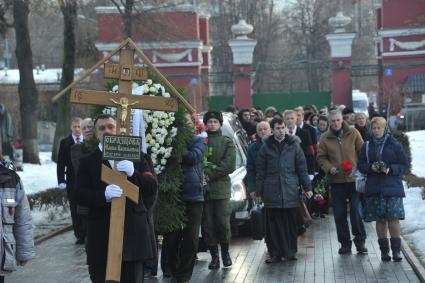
17,247
281,169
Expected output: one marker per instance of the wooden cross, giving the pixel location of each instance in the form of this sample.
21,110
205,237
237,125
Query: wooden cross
125,72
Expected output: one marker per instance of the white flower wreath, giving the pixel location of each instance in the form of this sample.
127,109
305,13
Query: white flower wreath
159,126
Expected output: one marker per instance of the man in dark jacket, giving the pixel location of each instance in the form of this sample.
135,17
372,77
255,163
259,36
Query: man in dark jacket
221,156
362,126
139,238
182,244
77,151
263,130
66,175
281,169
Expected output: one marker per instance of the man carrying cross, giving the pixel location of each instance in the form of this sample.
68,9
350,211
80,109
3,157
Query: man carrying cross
139,239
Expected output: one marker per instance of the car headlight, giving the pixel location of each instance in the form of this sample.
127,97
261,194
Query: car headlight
238,192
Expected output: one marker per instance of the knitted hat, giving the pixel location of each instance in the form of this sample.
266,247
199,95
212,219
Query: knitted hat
213,114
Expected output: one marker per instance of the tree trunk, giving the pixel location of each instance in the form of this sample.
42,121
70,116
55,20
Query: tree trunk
27,90
69,12
128,18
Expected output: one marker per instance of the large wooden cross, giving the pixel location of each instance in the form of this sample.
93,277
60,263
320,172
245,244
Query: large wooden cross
125,72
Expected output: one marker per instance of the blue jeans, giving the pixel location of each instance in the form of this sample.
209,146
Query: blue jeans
340,193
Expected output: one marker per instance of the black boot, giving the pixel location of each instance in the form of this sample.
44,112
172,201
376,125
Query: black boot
215,260
395,248
384,246
225,256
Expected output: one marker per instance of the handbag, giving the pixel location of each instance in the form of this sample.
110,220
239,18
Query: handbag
258,222
305,215
360,177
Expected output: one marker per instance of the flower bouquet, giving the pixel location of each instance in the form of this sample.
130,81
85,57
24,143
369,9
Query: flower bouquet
347,167
321,193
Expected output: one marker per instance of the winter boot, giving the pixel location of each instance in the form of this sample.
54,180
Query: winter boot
225,256
215,260
384,246
395,248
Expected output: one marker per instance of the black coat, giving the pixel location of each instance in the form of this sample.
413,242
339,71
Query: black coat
307,147
193,172
64,169
281,169
139,236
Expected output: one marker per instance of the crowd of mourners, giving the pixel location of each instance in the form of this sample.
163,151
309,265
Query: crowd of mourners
304,159
300,162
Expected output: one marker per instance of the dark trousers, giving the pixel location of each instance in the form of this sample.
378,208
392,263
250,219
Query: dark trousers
1,279
216,221
281,232
340,194
182,245
80,228
131,272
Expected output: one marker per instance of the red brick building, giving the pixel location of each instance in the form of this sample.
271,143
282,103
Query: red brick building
401,49
175,39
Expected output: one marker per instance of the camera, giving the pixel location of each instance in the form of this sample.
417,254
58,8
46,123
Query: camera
381,166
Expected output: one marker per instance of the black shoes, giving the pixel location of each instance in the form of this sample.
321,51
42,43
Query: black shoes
80,241
301,230
385,249
395,248
225,256
344,250
361,249
273,259
215,260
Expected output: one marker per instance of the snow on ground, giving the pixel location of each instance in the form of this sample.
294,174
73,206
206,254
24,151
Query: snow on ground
413,227
39,177
417,146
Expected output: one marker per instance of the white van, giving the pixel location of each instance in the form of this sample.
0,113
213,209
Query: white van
360,102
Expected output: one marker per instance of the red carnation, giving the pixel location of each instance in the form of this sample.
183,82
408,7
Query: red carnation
346,166
319,200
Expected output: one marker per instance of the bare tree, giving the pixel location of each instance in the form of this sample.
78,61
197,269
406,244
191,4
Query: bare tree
69,11
305,27
27,90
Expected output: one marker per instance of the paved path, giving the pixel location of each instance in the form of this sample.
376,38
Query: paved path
59,260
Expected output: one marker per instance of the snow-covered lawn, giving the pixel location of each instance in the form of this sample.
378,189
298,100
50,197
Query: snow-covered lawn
39,177
413,227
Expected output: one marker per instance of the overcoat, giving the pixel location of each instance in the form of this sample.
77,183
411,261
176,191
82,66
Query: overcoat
139,236
281,172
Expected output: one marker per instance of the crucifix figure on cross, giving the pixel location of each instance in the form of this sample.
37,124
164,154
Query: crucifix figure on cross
113,185
123,103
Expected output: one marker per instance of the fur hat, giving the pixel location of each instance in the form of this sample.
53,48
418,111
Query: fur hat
213,114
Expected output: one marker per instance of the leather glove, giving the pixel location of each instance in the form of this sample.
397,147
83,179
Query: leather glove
112,191
62,186
126,166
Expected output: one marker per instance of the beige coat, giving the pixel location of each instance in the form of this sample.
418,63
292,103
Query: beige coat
333,151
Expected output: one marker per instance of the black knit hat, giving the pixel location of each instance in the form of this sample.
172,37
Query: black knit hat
213,114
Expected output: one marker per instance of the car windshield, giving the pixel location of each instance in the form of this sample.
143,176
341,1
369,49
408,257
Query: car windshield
359,104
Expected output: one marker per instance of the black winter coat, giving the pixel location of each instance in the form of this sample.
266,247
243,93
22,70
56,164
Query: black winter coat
139,236
192,166
281,169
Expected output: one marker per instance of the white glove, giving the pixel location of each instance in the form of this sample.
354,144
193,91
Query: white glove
311,177
112,191
126,166
62,186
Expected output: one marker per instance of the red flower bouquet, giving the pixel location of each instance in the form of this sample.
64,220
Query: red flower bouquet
319,200
347,167
200,128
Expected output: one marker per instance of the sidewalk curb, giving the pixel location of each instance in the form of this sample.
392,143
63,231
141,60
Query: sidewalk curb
52,234
413,260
